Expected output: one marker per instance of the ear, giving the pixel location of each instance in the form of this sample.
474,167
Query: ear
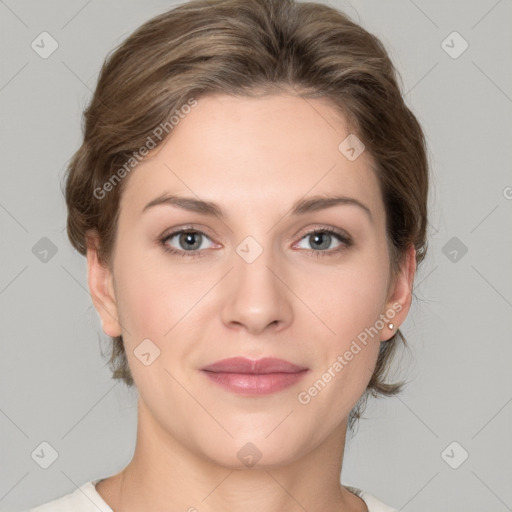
100,281
400,295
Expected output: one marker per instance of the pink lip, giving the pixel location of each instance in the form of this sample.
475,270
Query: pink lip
254,377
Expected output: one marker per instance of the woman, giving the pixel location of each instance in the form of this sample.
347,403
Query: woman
251,197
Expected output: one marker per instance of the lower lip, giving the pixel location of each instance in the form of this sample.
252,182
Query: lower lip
262,384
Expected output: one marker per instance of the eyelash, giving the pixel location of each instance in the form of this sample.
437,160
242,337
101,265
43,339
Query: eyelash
345,240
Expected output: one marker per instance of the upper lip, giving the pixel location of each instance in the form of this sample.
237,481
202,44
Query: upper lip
255,367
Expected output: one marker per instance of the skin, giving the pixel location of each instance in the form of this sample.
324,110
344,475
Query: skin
254,157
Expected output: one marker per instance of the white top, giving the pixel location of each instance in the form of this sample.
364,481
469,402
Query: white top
87,499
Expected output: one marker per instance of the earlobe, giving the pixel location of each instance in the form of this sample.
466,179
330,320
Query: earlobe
400,297
100,282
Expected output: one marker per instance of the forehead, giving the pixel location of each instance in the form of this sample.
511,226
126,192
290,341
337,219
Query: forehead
259,152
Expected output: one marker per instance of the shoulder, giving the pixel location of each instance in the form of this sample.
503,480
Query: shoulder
83,499
373,504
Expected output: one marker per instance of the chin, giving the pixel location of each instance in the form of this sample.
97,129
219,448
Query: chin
253,451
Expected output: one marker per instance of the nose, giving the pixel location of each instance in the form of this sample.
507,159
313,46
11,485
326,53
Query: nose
256,296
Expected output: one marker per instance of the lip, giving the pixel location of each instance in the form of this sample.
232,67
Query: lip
253,366
254,377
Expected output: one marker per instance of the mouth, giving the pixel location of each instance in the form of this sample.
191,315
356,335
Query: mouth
254,377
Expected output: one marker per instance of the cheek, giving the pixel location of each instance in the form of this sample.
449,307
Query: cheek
347,352
156,298
141,301
351,297
349,301
152,305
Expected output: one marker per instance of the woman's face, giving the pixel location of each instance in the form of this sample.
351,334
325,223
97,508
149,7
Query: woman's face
262,277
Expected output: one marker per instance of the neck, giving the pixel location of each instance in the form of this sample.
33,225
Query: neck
165,475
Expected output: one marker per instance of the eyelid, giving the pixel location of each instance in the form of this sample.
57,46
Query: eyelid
200,228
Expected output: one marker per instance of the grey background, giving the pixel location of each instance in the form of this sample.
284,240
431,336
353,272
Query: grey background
55,385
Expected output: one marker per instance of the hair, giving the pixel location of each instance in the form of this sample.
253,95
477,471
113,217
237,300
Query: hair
248,48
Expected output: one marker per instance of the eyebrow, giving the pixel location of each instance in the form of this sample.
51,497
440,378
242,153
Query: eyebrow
300,207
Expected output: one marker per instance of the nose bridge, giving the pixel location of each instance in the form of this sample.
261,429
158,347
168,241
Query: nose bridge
255,297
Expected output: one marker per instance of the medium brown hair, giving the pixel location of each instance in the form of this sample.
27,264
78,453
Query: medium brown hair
245,48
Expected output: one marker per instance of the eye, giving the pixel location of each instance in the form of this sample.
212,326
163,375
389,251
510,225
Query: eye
192,242
185,242
321,240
